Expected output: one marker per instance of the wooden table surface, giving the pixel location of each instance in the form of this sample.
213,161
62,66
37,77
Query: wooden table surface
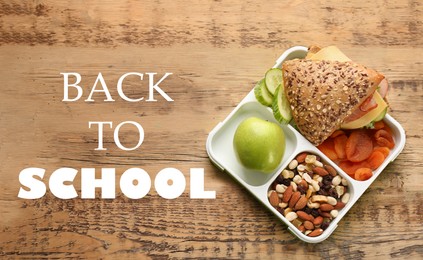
216,51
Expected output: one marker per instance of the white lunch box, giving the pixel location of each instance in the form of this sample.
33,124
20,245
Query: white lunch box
221,152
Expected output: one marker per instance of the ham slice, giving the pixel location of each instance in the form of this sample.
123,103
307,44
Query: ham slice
368,105
383,88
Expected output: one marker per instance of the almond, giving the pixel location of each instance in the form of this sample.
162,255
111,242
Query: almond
294,198
287,194
274,199
308,225
324,214
316,232
326,207
331,170
320,171
301,203
317,221
339,205
301,157
304,216
303,184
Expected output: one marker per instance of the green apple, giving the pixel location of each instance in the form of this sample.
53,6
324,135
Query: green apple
259,144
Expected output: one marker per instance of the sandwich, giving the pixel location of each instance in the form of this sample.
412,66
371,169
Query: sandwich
327,91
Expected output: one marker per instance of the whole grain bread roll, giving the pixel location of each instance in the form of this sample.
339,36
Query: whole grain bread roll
323,93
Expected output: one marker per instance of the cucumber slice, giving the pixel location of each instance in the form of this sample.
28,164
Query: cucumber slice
273,78
281,108
294,125
371,125
381,115
262,95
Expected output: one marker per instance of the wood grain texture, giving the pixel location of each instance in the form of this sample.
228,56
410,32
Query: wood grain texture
216,51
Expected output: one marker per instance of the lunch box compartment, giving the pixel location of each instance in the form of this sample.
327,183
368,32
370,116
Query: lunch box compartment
221,145
220,149
334,223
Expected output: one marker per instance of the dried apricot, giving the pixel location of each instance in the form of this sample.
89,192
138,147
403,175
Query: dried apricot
363,174
384,150
375,159
337,133
359,146
384,138
339,144
387,129
351,167
379,125
327,147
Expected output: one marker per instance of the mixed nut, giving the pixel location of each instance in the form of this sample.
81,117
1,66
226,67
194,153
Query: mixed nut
309,194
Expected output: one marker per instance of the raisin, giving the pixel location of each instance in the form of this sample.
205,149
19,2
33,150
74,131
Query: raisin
327,182
324,225
333,193
307,210
279,179
314,213
286,182
323,192
328,177
327,188
301,189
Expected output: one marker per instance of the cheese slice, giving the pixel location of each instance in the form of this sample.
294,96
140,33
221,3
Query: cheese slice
368,117
331,53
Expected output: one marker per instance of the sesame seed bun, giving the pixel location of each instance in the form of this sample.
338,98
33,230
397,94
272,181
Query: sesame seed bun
323,93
